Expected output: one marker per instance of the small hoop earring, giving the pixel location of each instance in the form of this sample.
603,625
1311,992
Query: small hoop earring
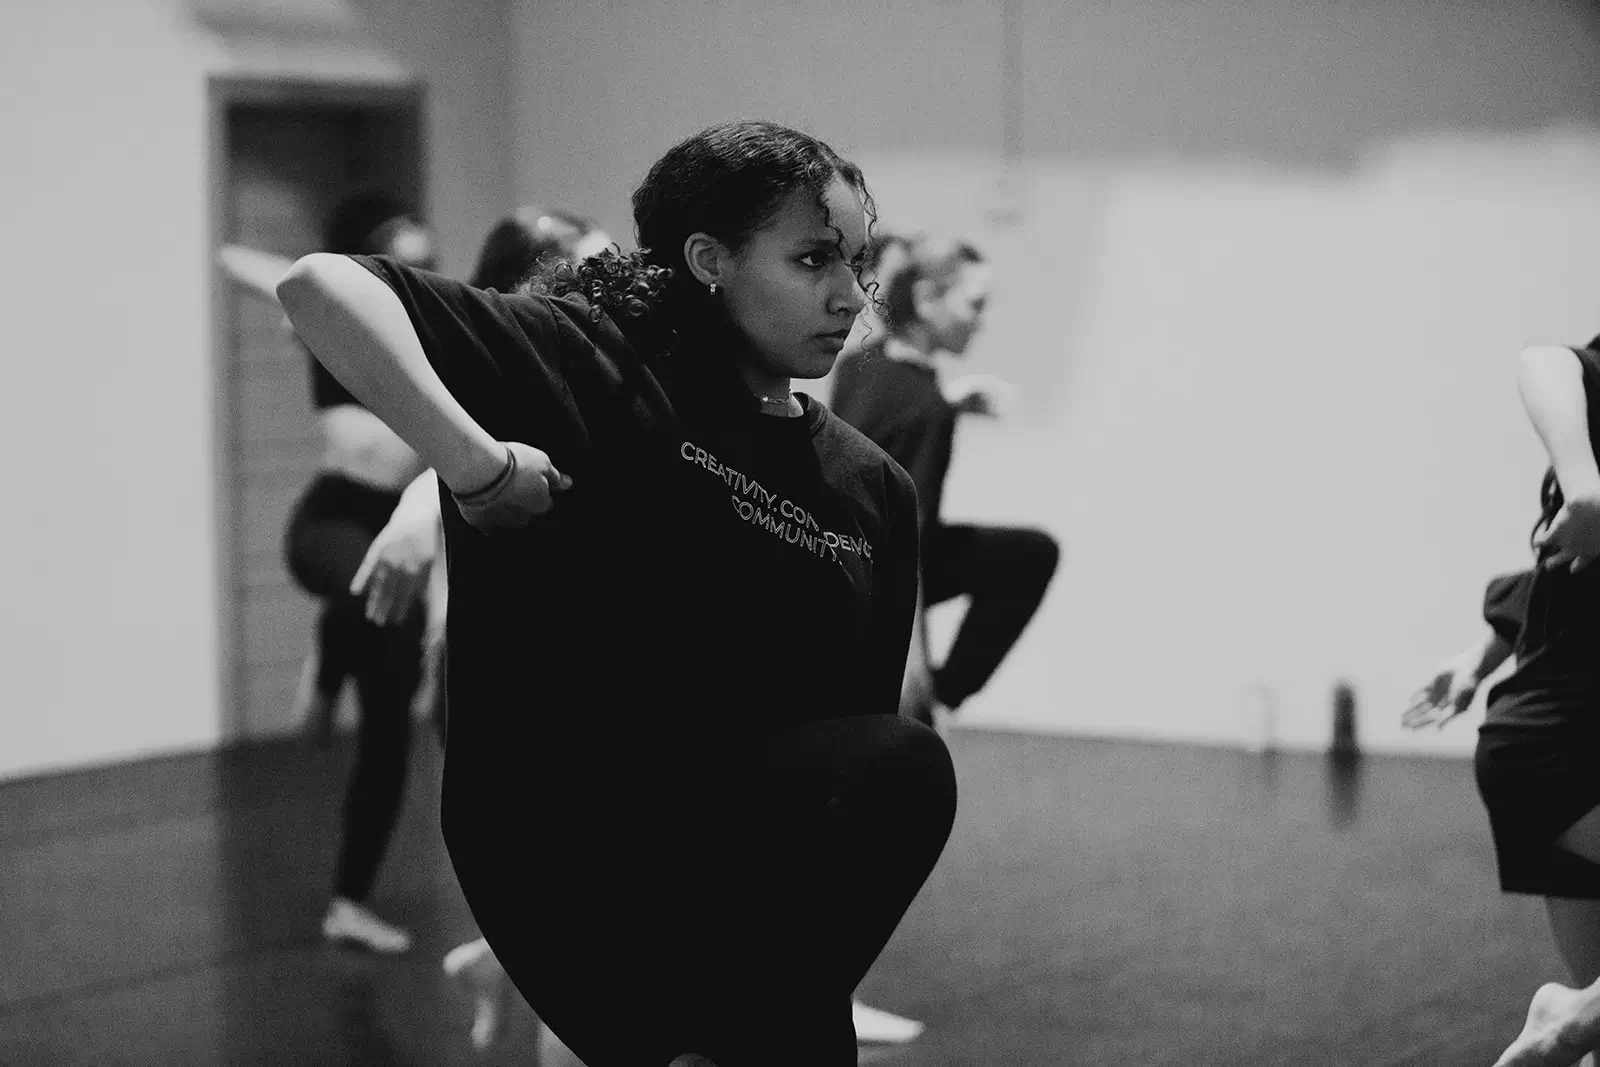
713,288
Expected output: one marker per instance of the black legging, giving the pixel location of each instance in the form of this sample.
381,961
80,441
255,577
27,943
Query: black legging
1006,572
329,533
722,905
335,654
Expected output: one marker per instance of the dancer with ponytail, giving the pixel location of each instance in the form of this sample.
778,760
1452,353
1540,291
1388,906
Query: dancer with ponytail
935,292
646,528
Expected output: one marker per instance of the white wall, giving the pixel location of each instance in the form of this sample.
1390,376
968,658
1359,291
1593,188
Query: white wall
463,52
1273,262
109,629
603,87
1246,227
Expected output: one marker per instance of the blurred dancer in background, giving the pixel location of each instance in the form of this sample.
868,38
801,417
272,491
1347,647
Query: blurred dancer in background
363,470
891,390
365,467
402,572
328,665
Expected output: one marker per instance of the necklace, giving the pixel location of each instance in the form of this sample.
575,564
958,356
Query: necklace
775,400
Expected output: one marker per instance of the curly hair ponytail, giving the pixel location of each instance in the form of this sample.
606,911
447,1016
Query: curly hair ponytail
626,287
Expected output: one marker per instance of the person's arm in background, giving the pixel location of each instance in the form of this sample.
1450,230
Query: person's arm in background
258,271
1491,654
1456,681
399,564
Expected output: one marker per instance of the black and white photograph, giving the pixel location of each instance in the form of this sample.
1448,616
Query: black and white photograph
800,533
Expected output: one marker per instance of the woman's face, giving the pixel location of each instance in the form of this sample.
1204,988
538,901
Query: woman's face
956,314
792,289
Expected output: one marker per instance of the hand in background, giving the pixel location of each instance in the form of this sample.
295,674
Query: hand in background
1447,694
981,394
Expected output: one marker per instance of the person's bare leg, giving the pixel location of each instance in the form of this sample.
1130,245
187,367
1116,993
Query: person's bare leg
1564,1022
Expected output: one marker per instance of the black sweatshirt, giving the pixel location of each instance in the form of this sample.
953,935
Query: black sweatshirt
710,572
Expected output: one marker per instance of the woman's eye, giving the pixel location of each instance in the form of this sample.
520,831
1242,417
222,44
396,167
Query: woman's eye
820,259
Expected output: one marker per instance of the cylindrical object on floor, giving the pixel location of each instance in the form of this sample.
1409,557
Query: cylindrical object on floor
1344,745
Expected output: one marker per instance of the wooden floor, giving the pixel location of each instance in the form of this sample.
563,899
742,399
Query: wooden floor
1099,903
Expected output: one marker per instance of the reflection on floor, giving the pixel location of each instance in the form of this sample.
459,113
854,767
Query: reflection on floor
1099,903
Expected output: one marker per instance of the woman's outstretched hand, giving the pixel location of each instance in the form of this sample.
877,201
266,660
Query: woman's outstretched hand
521,494
980,394
1447,694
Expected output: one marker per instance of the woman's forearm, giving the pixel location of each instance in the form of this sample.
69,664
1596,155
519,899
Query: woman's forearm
419,503
1494,652
357,328
1550,379
419,507
421,498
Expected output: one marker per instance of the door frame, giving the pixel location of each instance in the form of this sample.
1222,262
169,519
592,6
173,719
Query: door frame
224,92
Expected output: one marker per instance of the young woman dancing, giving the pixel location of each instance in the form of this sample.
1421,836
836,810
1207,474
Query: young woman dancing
727,838
1538,746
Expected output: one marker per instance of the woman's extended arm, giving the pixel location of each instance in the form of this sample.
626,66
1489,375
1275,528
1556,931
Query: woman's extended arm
1489,655
356,326
1455,683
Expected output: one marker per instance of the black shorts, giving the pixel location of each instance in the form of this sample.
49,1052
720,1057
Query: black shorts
1535,787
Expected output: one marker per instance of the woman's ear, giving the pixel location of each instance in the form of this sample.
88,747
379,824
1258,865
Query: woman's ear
705,256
